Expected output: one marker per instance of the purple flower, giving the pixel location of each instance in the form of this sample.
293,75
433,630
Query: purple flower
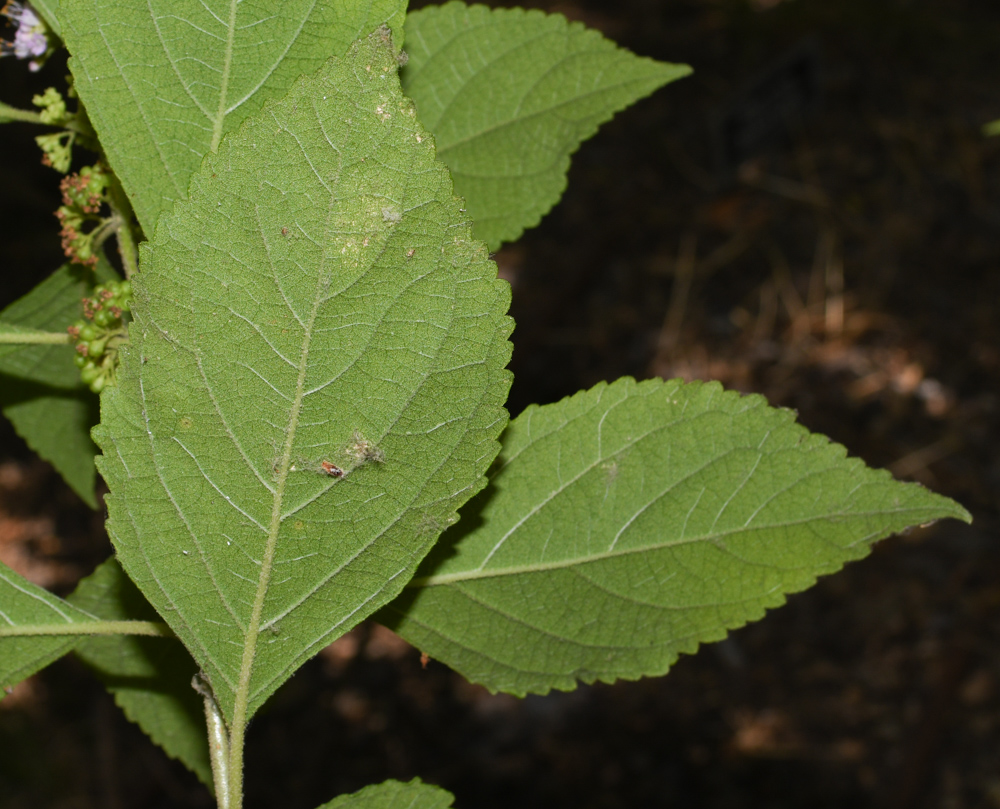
30,39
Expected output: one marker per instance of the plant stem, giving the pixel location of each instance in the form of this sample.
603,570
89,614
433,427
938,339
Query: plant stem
148,628
218,745
122,221
32,337
8,114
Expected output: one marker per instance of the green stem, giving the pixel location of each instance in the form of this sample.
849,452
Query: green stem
218,750
127,248
8,114
148,628
218,741
31,337
122,220
104,231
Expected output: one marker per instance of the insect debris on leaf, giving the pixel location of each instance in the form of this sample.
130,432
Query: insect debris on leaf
332,470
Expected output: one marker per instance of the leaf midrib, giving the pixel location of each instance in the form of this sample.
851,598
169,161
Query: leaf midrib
600,49
479,572
267,561
227,63
476,574
554,109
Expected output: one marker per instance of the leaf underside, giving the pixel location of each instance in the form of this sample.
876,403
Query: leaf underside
25,604
394,795
635,521
164,80
314,381
40,388
509,95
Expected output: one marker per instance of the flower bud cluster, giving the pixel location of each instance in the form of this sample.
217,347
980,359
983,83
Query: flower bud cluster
57,147
100,334
83,195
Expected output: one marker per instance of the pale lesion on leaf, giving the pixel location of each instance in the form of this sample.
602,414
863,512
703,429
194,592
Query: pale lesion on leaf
357,452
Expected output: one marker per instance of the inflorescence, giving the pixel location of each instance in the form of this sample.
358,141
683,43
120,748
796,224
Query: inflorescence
101,333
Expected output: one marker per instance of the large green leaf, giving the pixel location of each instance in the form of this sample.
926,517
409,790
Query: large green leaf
509,95
40,388
317,300
394,795
150,678
632,522
164,80
24,606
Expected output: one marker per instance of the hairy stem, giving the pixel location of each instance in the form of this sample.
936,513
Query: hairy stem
218,742
148,628
31,337
8,113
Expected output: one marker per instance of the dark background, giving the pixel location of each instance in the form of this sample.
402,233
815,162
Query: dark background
847,269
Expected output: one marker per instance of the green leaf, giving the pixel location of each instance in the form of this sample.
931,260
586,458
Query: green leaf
40,388
318,298
56,424
163,82
509,95
51,306
991,129
394,795
633,522
50,12
150,678
27,605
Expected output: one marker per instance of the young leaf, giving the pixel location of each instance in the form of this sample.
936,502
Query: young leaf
314,381
394,795
509,95
33,610
633,522
50,408
163,82
150,678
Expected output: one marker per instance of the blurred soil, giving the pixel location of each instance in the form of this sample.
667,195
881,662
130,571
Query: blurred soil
850,273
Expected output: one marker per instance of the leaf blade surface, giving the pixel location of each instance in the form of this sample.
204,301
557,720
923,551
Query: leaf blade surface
163,81
633,522
394,795
314,381
27,605
509,95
